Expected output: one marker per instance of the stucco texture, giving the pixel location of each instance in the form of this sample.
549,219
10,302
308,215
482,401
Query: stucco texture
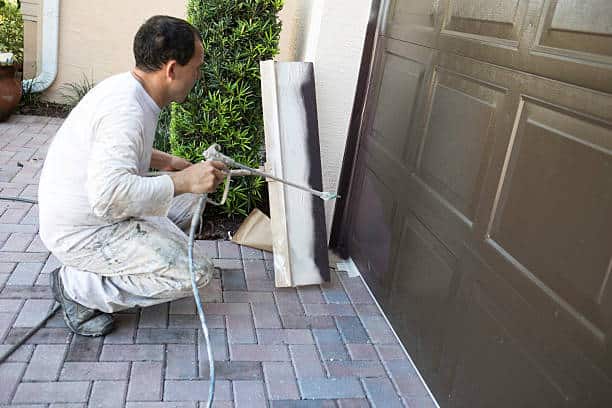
96,37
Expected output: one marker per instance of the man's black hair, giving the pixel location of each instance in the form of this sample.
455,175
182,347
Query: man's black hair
164,38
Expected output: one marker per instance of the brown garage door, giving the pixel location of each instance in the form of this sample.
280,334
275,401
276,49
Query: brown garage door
480,203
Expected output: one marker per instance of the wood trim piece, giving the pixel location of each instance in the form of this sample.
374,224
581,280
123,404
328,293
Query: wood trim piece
299,236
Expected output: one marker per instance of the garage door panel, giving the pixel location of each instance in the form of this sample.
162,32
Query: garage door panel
590,17
402,78
497,11
584,26
488,345
488,20
424,278
457,139
374,237
434,211
575,35
587,42
513,333
553,213
415,21
565,323
487,30
418,13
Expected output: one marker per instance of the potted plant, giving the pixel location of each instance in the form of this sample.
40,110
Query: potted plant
11,56
10,87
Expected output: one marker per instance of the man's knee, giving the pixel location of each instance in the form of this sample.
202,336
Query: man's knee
203,269
204,273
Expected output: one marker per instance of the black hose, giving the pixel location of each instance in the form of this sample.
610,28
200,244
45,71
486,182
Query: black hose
24,200
40,324
29,334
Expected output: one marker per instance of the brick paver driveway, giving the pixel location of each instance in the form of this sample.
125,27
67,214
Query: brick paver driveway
319,346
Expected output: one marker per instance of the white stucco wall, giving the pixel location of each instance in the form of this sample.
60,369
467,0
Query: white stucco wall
102,46
96,37
295,17
337,61
331,35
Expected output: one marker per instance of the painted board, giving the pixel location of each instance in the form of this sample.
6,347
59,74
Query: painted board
299,236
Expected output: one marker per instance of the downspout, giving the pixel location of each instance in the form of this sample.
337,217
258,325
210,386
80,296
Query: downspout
50,45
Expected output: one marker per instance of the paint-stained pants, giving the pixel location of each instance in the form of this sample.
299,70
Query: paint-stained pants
137,262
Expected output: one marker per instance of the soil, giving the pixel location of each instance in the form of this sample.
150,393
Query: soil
217,226
42,108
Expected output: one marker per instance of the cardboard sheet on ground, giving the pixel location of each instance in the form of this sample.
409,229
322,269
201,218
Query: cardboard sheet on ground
299,236
255,231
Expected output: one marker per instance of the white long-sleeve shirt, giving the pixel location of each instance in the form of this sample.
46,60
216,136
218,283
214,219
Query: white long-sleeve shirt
93,172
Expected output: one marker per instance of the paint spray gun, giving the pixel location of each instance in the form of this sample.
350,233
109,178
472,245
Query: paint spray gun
213,153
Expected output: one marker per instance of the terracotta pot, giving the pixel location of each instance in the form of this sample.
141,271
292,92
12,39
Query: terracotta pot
10,91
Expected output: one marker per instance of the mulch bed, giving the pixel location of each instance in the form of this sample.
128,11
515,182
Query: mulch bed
43,108
217,226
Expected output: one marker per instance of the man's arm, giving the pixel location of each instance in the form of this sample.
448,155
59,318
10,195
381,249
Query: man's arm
202,177
115,190
167,162
199,178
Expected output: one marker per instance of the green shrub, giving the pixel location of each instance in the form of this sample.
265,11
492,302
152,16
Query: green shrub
225,106
162,133
11,29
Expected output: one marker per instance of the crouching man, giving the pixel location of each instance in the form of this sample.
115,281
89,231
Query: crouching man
118,234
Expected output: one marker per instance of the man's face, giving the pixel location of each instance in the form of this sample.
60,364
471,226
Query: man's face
187,75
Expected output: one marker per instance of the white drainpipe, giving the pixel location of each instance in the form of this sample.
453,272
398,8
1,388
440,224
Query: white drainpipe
50,45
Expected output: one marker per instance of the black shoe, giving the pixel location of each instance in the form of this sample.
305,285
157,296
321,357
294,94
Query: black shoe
80,319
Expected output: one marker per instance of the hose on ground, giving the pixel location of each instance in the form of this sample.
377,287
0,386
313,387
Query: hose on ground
195,220
29,334
49,315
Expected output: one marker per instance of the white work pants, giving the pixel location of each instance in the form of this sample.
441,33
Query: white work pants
136,262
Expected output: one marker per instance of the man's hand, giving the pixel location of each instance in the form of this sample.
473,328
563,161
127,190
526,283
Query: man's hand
203,177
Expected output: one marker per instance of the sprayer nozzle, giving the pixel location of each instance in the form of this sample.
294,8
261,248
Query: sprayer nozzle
328,196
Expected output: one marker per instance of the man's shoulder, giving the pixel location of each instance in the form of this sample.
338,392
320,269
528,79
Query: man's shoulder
118,87
115,94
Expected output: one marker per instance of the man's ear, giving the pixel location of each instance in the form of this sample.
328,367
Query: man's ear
171,69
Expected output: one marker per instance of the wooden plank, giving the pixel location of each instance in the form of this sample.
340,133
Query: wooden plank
299,236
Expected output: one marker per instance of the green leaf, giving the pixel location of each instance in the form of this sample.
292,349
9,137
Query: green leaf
11,30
